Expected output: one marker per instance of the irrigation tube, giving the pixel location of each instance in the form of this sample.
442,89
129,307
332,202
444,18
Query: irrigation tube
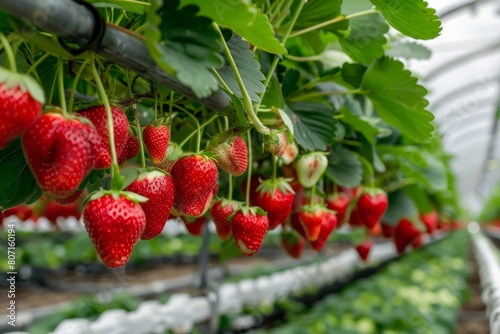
489,272
75,23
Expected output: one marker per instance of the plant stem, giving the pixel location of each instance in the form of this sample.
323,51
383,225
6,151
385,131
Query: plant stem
276,59
139,135
60,85
170,106
313,195
274,167
223,83
371,172
304,59
75,83
309,96
249,177
11,60
38,62
247,101
230,190
334,20
198,129
109,115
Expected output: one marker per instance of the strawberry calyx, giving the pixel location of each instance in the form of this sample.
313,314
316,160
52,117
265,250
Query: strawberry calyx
248,210
270,186
313,208
23,82
136,198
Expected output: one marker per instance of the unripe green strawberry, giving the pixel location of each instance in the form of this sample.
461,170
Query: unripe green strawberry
220,212
21,100
232,156
156,136
158,187
114,223
291,152
249,226
60,152
195,177
276,142
310,167
97,115
276,198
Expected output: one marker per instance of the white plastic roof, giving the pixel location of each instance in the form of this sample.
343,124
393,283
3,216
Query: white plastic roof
463,77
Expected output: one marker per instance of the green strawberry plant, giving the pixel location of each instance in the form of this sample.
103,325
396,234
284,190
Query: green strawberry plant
312,101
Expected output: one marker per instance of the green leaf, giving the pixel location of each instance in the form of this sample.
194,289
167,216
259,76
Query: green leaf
353,74
122,5
412,18
344,167
409,50
228,250
319,11
184,43
17,184
398,99
419,197
366,39
244,18
5,26
400,206
435,173
248,67
359,124
313,124
410,154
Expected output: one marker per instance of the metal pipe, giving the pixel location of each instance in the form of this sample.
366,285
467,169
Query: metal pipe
75,23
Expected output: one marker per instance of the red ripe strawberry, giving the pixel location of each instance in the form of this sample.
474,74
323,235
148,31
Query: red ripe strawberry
156,136
60,153
97,115
22,211
220,212
232,156
194,225
296,225
293,243
364,249
430,221
387,230
371,207
68,200
21,101
131,149
338,203
327,226
311,218
276,142
404,234
249,226
171,156
114,224
53,210
276,198
158,187
355,219
310,167
418,242
350,192
195,177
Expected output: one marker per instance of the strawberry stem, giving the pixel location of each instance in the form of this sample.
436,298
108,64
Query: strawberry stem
313,195
115,170
371,172
60,86
198,128
38,62
11,60
230,190
274,168
75,83
247,101
207,122
139,135
249,177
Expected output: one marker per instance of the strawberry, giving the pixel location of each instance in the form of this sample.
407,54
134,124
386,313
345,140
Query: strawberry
97,115
21,100
276,142
22,211
194,225
131,149
327,226
430,221
310,167
291,152
293,243
418,241
232,156
276,198
364,249
371,207
114,223
60,152
156,136
158,187
338,202
351,192
311,218
171,156
355,218
296,225
387,230
69,199
220,212
249,226
404,234
54,210
195,177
